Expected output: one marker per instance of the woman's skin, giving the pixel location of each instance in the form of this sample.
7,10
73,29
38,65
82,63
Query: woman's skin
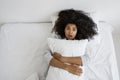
74,62
70,31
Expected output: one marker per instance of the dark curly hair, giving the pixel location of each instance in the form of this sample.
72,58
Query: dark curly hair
86,28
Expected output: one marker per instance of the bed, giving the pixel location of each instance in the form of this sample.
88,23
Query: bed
22,47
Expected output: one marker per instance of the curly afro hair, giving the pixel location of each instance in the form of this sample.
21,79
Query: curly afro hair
86,28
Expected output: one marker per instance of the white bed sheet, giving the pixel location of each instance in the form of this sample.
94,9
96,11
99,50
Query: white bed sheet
21,50
103,65
22,47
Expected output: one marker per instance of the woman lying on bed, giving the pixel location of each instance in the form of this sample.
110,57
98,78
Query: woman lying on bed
71,25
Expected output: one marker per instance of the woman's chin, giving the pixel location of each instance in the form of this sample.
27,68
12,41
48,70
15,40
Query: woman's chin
70,38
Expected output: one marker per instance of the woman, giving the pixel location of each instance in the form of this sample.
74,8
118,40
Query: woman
72,25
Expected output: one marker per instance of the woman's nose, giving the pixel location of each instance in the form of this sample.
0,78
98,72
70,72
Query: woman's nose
71,31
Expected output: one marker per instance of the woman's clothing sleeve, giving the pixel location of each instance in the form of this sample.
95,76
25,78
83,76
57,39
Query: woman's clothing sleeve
47,55
85,58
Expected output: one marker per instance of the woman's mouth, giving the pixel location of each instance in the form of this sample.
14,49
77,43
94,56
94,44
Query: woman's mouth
70,36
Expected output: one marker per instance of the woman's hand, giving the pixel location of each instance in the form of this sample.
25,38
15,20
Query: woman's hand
74,69
58,57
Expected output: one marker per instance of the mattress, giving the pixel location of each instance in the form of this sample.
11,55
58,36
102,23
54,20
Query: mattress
22,47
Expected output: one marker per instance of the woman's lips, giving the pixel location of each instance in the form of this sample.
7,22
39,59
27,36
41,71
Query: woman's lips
70,35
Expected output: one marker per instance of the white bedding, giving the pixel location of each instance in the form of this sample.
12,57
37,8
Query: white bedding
103,65
22,46
21,50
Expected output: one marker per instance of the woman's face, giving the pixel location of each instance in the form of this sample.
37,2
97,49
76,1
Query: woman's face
70,31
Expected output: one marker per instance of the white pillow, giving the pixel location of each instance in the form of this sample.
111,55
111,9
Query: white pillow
68,48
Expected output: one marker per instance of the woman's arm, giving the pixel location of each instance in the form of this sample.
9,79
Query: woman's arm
71,60
70,68
50,60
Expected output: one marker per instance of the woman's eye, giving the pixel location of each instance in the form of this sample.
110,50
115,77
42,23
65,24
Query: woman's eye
68,28
74,29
